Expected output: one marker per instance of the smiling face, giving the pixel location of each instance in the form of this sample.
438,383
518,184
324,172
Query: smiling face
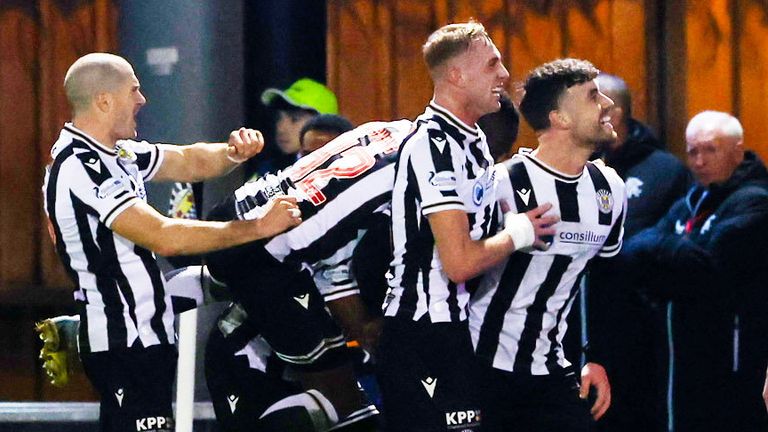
482,76
588,113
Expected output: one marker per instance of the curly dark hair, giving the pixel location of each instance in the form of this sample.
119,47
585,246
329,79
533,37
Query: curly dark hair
545,85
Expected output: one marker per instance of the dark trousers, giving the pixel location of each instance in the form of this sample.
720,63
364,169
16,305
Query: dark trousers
529,403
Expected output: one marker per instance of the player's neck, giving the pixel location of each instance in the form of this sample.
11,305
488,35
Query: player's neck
96,129
562,154
455,106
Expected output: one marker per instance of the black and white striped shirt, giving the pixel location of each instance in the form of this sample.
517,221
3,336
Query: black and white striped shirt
444,165
337,187
120,290
518,314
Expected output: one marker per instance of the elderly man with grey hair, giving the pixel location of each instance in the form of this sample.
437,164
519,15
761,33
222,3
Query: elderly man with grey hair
707,258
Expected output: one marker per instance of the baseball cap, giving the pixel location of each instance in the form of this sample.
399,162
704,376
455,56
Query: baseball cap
305,93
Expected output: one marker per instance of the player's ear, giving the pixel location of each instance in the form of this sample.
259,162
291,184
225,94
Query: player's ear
559,119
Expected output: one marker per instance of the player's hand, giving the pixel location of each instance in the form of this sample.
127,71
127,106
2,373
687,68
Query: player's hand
765,391
592,374
369,340
280,214
243,144
542,226
530,230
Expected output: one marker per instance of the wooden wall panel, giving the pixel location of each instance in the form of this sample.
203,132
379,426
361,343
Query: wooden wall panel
359,46
536,37
19,166
629,58
753,83
710,57
414,21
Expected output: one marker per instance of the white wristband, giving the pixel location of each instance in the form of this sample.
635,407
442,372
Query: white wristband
520,228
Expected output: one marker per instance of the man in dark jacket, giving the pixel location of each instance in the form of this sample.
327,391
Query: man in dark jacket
626,333
707,257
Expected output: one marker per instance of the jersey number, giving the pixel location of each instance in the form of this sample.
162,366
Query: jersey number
355,157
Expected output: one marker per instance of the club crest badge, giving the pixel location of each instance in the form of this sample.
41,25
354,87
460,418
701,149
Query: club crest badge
604,201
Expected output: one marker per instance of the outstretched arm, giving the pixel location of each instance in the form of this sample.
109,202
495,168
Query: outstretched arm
201,161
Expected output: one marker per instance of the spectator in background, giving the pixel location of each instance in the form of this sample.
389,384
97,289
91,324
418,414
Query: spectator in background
295,106
501,128
630,333
707,257
321,129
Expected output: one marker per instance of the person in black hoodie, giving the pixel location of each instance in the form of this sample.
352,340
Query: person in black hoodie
626,333
707,258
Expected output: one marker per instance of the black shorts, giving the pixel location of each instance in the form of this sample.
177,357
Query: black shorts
427,376
240,394
532,403
135,386
283,306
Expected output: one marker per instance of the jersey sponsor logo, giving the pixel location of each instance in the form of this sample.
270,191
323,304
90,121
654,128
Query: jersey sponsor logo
337,274
429,384
109,187
478,191
232,401
303,300
464,420
524,194
154,424
119,394
604,201
634,187
94,164
444,181
582,237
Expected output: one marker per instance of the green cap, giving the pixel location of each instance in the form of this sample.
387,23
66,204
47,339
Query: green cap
305,93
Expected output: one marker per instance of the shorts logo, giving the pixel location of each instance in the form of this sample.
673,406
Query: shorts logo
477,193
303,300
444,181
154,424
463,420
232,401
604,201
119,395
429,384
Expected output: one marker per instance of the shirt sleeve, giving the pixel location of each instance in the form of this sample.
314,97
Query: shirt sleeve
432,165
148,157
613,243
94,185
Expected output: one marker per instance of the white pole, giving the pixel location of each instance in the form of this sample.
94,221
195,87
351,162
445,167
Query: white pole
185,378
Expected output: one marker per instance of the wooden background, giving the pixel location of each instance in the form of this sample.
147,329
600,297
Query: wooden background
678,57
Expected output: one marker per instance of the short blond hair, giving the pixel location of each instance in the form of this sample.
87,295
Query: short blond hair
449,41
